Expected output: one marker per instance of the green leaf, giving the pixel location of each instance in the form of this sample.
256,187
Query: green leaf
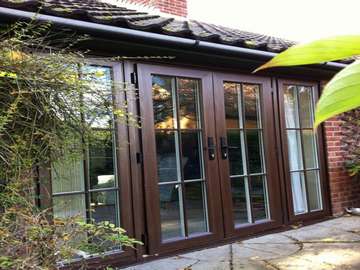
341,94
323,50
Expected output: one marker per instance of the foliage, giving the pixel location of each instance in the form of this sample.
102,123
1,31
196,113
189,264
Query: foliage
43,104
341,94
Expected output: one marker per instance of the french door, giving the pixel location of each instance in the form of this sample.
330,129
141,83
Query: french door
213,147
183,204
248,162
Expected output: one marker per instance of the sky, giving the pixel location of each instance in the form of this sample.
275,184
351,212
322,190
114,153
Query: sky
296,20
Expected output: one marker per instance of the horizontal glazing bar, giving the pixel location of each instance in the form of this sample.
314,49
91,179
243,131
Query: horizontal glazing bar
194,180
299,129
304,170
247,175
178,129
103,189
169,183
68,193
242,129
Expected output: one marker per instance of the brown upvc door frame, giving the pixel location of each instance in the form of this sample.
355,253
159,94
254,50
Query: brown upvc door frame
270,155
152,204
326,211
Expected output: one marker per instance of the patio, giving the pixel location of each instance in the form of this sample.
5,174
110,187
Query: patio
332,244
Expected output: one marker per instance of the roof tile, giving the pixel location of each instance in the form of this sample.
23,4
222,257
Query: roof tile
104,13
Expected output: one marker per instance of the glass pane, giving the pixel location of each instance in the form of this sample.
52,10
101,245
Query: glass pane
306,107
170,213
294,150
231,97
101,161
291,107
167,163
69,206
298,192
252,105
240,195
104,206
100,80
195,207
313,185
310,152
259,197
191,160
68,175
163,101
254,145
188,91
235,152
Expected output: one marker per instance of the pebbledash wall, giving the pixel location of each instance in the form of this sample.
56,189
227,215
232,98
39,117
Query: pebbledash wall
174,7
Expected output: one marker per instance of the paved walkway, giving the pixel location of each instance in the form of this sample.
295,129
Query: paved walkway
333,244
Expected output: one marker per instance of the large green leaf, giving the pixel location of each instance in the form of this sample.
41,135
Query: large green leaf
341,94
323,50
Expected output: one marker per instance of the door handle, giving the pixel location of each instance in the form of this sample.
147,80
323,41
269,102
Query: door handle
224,148
211,148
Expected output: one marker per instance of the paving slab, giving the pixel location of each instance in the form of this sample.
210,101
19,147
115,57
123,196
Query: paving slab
333,244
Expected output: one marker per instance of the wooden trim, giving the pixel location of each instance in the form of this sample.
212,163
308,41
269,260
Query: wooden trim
321,157
270,158
150,165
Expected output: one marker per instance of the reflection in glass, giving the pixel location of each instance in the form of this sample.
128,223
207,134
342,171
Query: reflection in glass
69,206
239,200
101,160
67,175
99,80
163,102
171,220
310,152
259,197
231,96
306,107
235,152
104,206
166,154
251,105
298,192
313,184
291,107
294,150
254,145
191,142
195,207
188,91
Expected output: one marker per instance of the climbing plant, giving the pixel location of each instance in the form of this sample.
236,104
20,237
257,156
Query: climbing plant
43,105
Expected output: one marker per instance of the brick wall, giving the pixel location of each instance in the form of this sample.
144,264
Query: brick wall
344,190
175,7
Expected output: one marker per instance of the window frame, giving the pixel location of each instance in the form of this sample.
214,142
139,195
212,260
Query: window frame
122,170
320,144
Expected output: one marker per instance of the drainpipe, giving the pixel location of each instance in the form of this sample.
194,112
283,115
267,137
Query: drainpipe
142,36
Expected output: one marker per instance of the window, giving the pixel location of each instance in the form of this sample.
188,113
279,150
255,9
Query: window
180,169
302,149
246,154
88,186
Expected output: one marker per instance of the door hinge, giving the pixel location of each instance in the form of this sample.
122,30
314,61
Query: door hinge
134,77
139,158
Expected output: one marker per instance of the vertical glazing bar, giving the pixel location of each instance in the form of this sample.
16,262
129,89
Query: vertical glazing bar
180,154
247,172
302,148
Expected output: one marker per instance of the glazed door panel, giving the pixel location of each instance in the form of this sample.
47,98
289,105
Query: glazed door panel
180,159
304,161
248,164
